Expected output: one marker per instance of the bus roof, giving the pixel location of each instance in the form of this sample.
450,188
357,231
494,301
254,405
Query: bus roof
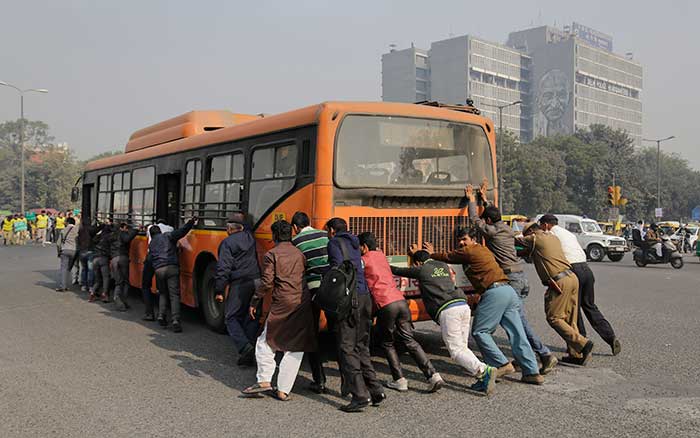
261,125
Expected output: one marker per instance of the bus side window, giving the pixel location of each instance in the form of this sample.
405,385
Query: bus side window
273,175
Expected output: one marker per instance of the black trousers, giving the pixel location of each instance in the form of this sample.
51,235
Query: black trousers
241,328
394,321
315,358
119,267
100,265
586,303
168,281
352,335
146,281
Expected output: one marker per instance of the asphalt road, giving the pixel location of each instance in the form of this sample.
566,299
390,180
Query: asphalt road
73,368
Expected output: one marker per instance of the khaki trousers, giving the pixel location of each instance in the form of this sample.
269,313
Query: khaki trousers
8,237
562,313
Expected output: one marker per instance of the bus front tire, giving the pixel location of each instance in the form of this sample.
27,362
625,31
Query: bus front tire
212,310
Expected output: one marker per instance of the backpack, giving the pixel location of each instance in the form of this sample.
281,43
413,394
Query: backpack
337,295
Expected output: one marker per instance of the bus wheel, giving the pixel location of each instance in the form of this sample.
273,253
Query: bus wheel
213,311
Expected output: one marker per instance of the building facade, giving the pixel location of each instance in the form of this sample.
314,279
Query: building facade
564,80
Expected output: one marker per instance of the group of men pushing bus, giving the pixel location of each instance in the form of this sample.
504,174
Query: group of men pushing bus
292,272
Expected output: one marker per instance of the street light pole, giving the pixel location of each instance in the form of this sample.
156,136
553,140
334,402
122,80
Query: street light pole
21,134
498,153
658,166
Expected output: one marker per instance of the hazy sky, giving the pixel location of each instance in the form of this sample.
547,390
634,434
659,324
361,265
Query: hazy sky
114,67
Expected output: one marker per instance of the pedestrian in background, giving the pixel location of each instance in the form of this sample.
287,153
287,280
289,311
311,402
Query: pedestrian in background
237,268
59,226
352,334
164,256
393,317
66,251
289,326
42,222
313,244
576,256
20,229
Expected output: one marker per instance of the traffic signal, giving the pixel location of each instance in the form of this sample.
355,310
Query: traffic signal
615,198
611,195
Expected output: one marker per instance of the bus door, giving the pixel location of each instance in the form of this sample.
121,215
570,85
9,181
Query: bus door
168,199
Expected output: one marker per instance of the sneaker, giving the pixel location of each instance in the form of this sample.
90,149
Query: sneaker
586,353
486,381
148,317
162,321
533,379
435,383
83,289
246,357
504,370
572,360
104,297
177,328
400,385
616,347
548,363
92,298
119,305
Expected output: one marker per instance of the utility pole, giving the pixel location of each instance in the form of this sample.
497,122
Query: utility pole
658,167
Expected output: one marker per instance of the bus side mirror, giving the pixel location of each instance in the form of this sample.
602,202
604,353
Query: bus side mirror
75,194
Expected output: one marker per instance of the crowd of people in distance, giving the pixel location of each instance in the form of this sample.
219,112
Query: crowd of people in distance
43,228
294,275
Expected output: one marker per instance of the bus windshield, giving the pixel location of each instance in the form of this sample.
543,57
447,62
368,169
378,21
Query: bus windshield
388,151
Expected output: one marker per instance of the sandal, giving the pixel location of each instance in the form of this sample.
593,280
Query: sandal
281,396
257,388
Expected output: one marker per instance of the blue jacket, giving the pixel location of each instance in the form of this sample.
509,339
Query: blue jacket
335,257
163,247
238,260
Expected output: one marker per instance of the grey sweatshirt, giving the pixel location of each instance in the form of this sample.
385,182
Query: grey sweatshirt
500,239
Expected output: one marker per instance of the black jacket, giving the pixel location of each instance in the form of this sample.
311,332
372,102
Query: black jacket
238,260
121,240
163,247
86,235
335,257
436,286
103,241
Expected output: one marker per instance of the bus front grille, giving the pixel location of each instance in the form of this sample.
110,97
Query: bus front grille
395,233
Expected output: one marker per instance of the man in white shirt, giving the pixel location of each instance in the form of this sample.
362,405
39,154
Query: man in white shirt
576,256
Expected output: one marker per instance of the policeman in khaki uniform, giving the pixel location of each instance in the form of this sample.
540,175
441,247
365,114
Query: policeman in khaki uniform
561,297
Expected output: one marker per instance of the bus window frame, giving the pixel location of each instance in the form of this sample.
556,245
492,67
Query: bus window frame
291,141
206,176
104,215
121,217
153,187
399,189
196,205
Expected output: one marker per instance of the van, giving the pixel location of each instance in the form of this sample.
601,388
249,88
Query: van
591,238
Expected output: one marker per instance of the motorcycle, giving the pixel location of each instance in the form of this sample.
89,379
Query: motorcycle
645,254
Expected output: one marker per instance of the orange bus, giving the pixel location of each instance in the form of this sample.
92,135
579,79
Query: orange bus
395,169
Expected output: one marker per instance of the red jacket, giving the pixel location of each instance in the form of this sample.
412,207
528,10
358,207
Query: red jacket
380,280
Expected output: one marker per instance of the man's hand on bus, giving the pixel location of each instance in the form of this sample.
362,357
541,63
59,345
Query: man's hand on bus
469,193
251,312
219,298
414,248
427,246
483,188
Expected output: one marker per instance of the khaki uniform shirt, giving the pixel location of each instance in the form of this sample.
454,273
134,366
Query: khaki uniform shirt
547,254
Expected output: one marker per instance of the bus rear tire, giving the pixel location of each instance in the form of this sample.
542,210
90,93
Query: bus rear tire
212,310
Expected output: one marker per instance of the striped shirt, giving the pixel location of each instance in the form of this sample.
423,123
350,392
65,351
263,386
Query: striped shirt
312,243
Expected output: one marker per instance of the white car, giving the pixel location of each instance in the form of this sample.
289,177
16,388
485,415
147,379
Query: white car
591,238
678,236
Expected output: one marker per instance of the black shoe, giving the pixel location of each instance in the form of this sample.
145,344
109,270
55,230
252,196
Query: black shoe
378,398
572,360
318,388
355,406
162,321
616,347
586,353
246,357
177,328
119,305
148,317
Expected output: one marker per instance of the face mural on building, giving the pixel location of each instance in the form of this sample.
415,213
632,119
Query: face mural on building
553,98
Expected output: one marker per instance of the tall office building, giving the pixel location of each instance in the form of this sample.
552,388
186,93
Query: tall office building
566,79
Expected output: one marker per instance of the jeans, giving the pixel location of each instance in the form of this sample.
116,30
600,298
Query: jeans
288,368
100,266
518,281
87,275
241,328
394,321
352,335
454,325
499,306
146,281
120,272
586,302
315,358
168,280
67,259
